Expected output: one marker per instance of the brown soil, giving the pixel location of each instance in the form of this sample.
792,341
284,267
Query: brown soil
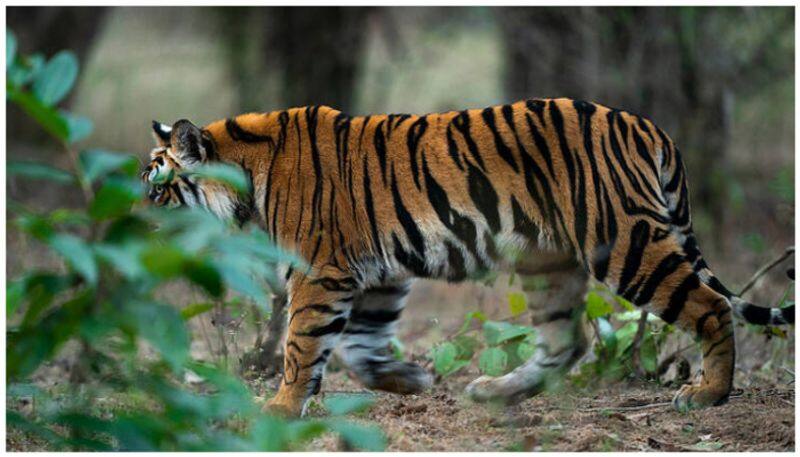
622,417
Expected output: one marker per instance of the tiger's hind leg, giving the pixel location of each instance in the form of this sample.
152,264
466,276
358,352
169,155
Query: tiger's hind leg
707,315
560,340
365,344
660,277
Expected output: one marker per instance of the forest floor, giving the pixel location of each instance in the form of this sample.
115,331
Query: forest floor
603,416
622,417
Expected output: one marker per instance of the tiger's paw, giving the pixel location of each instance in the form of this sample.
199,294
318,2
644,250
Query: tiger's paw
289,410
401,378
504,389
696,396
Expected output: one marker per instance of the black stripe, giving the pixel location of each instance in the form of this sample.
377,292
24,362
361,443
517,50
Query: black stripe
461,122
456,267
373,223
725,338
316,204
237,133
413,137
502,148
318,307
756,314
679,296
668,265
522,223
640,236
321,359
452,149
336,326
379,140
388,290
698,326
336,285
410,260
788,314
377,316
406,220
484,196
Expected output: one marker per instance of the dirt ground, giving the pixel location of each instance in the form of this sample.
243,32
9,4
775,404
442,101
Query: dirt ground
622,417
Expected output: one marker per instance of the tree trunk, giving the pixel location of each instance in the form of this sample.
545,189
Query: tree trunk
318,51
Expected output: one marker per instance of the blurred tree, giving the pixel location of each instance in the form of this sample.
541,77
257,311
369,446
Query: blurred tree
318,51
49,30
665,63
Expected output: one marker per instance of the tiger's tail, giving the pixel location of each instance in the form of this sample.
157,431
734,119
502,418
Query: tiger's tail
675,192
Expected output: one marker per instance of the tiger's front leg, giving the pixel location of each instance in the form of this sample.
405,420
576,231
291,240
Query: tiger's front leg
318,313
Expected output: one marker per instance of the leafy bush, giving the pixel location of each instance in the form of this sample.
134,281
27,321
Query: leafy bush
134,384
504,345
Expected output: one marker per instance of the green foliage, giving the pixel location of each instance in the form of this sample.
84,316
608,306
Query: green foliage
616,328
130,346
225,173
501,346
517,303
783,184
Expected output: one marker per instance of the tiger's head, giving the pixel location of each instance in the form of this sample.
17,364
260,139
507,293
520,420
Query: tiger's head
168,176
178,149
158,175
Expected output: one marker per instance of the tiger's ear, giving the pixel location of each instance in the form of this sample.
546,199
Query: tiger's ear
161,134
186,140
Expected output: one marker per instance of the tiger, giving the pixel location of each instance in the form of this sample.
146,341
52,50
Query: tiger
565,187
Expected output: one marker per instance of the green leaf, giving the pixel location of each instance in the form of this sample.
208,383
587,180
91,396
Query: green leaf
648,354
23,70
47,117
163,261
496,332
525,350
366,437
225,173
303,430
15,292
341,404
624,336
163,327
77,254
206,276
468,320
493,361
444,356
195,309
397,347
517,303
78,127
597,306
97,163
11,48
56,79
34,170
270,434
465,346
125,258
114,198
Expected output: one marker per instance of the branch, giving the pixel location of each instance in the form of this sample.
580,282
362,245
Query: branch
637,343
763,270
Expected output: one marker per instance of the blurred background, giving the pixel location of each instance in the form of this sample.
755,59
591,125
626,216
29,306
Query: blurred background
720,81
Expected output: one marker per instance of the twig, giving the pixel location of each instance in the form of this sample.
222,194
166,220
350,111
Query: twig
660,404
637,343
763,270
664,365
